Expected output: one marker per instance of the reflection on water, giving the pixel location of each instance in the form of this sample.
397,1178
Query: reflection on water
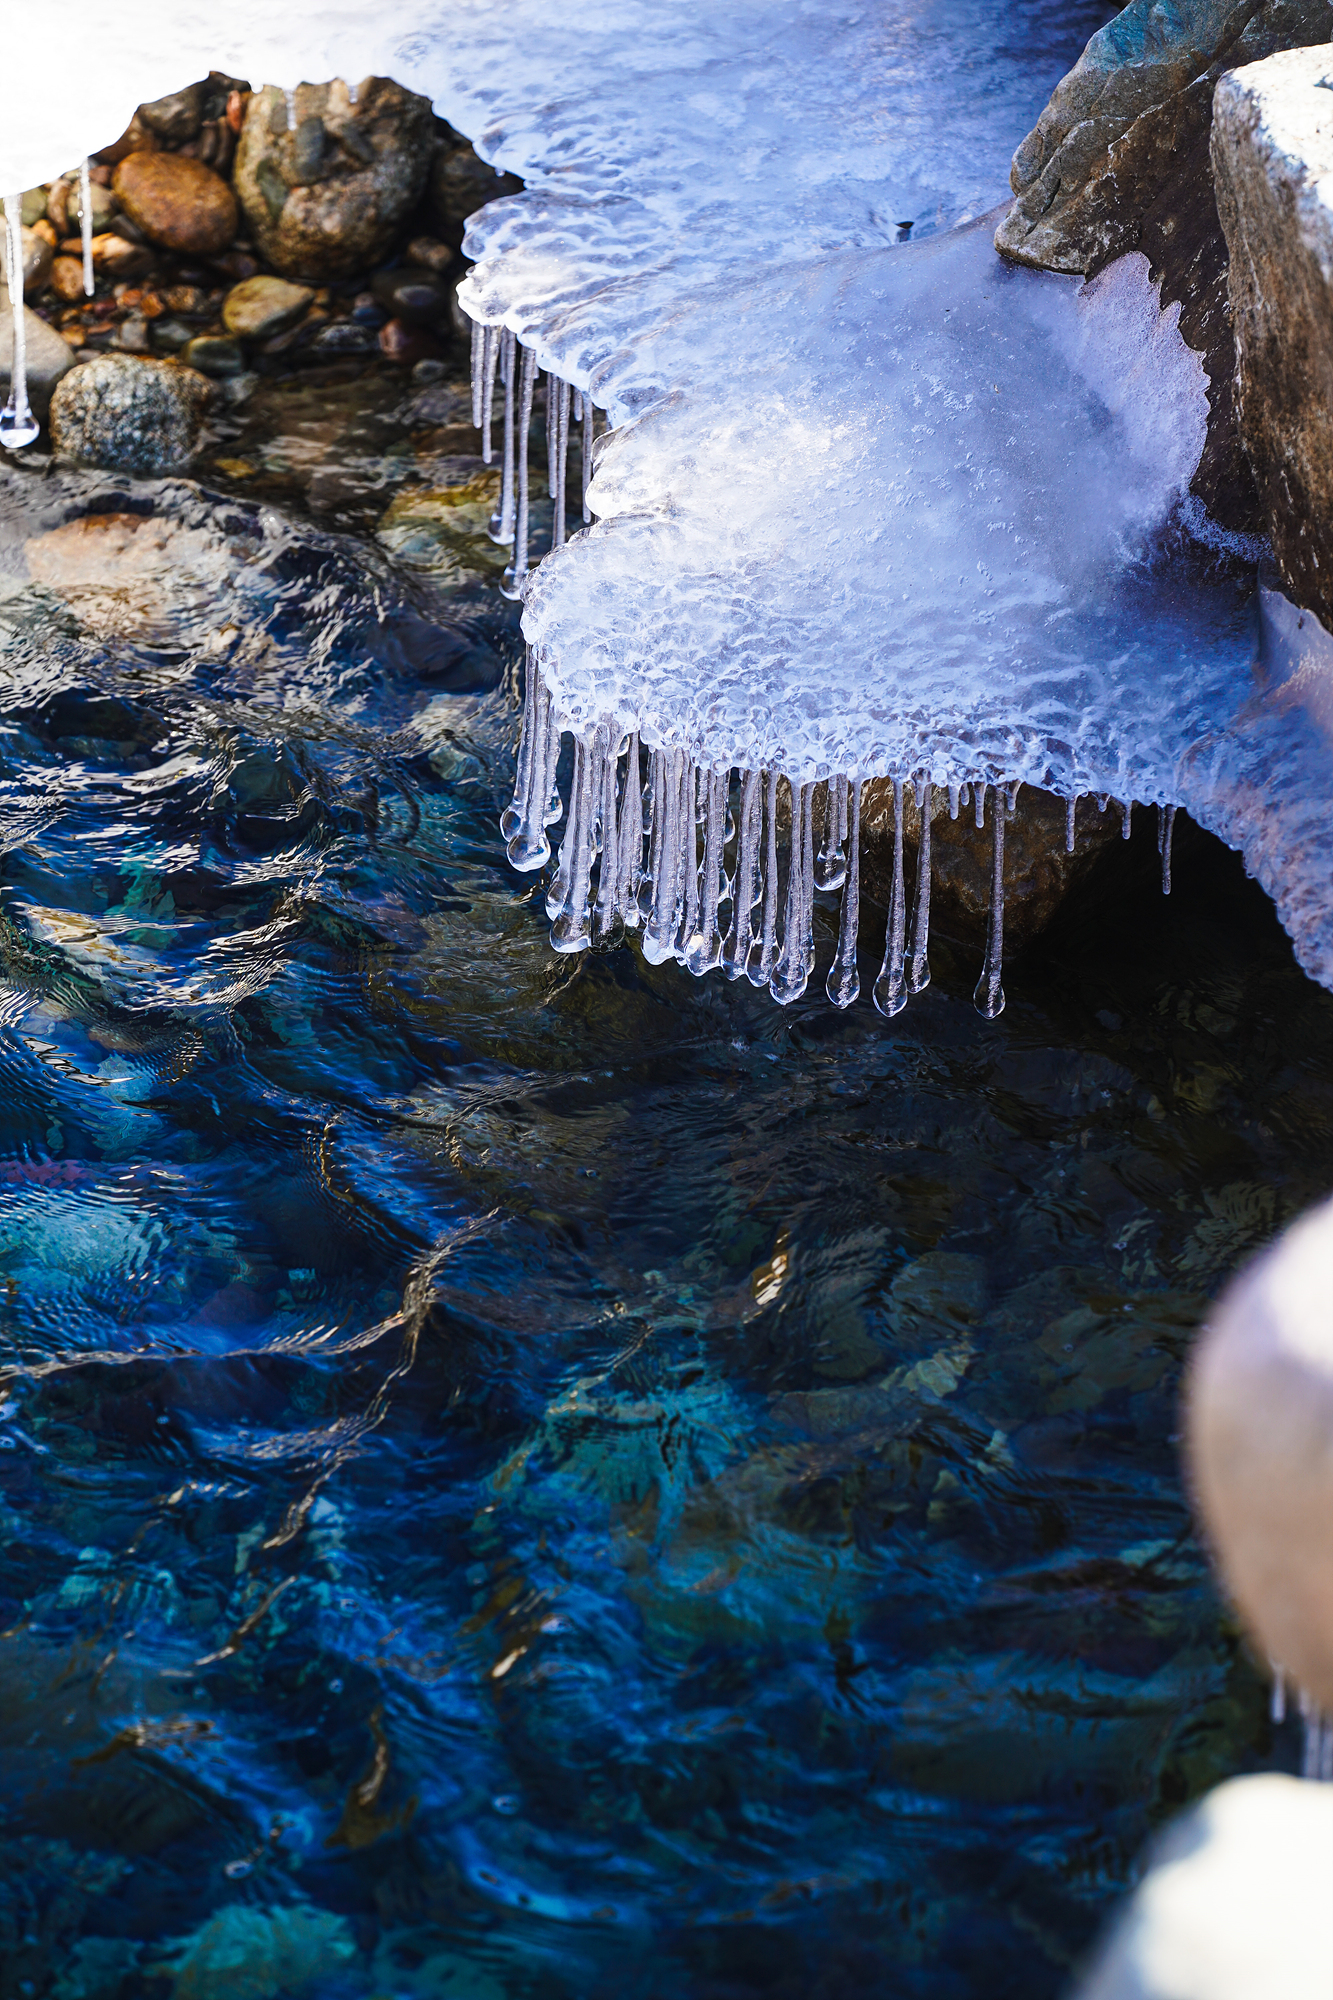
539,1477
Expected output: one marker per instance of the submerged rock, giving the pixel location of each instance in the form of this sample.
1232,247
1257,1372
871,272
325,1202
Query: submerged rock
178,203
242,1953
1119,161
329,197
1272,154
130,415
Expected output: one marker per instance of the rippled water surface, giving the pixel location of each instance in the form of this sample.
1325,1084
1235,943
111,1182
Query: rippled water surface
529,1476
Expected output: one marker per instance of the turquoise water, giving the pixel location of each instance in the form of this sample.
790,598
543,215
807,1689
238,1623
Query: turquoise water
529,1476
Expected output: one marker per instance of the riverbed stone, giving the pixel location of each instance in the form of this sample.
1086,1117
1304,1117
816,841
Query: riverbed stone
330,195
214,355
460,184
49,357
1118,161
129,415
178,203
259,307
177,117
38,257
1272,152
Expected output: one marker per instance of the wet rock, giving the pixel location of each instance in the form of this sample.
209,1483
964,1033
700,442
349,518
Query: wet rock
38,257
132,335
245,1953
49,357
329,197
62,206
1272,155
430,255
259,307
406,345
343,337
66,279
413,294
1118,161
118,260
1038,873
460,184
214,354
178,203
129,415
175,118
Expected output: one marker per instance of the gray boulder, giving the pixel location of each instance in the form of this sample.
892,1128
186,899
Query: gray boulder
330,195
129,415
1272,158
1119,161
49,357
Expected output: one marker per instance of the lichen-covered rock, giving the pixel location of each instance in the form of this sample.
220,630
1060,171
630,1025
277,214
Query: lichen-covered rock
330,195
178,203
129,415
49,357
1272,158
1119,161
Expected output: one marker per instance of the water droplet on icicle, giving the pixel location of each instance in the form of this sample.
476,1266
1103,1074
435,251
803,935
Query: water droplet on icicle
890,993
989,995
18,426
843,984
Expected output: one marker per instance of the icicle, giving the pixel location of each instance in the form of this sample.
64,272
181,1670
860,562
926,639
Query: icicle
1126,808
631,836
514,580
843,984
501,525
571,930
808,881
478,350
1071,807
1278,1705
831,867
890,994
706,945
489,358
553,388
656,789
529,847
587,454
18,426
576,407
1103,800
989,995
918,969
290,96
792,971
1166,826
736,950
557,889
606,911
979,800
511,819
954,791
561,463
689,900
660,932
86,227
765,954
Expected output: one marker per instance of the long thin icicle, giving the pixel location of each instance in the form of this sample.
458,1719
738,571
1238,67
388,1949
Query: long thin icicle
918,965
561,462
1071,807
740,936
989,995
501,525
791,971
706,945
843,984
1166,826
606,911
689,900
86,227
478,350
631,836
765,953
18,426
511,819
529,848
890,994
831,867
660,932
514,581
587,453
489,358
571,930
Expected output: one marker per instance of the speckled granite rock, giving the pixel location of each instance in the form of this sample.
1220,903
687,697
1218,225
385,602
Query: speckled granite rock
129,415
1272,158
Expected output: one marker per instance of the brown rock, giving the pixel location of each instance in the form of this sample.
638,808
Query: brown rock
259,307
1038,873
329,197
178,203
114,257
176,118
430,255
460,184
67,279
38,256
1118,161
1272,158
405,345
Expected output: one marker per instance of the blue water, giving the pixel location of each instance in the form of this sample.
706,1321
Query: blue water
528,1476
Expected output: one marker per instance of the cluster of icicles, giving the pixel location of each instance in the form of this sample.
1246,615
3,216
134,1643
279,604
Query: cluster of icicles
714,867
1317,1728
18,425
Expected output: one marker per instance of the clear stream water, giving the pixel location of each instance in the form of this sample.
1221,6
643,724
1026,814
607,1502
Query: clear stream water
539,1477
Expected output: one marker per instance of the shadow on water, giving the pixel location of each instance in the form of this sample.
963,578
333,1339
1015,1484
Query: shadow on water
520,1476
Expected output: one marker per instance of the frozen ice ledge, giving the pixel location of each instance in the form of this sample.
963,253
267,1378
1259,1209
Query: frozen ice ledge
867,502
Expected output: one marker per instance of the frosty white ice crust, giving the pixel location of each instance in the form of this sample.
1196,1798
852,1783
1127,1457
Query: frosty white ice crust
873,504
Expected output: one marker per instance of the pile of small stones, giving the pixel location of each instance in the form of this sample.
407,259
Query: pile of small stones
238,235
